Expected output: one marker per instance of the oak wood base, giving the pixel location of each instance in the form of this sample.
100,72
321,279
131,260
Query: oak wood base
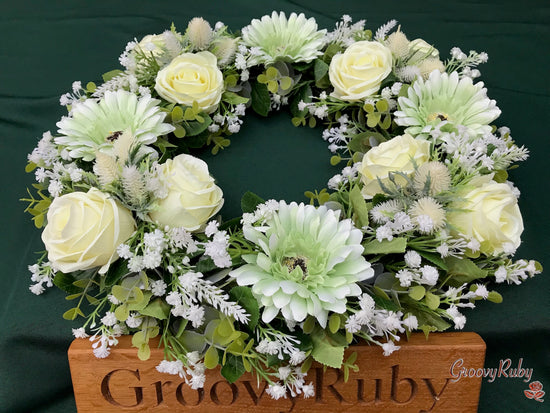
420,377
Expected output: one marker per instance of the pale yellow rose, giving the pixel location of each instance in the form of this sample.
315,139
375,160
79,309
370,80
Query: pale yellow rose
152,44
420,49
192,77
490,214
193,197
399,154
84,229
358,72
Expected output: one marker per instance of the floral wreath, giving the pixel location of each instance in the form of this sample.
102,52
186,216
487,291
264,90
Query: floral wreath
418,224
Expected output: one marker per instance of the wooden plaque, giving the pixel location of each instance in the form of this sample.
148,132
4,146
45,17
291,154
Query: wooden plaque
423,376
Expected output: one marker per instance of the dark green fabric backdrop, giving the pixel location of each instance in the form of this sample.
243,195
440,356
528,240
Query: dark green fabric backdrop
46,45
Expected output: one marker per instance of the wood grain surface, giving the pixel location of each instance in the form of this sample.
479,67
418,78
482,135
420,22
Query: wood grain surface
423,376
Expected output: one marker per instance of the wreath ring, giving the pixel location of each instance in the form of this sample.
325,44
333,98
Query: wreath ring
418,223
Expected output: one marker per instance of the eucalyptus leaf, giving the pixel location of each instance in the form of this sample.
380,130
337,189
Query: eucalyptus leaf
417,292
211,358
432,301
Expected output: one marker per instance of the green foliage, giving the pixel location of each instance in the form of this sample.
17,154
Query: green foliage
261,102
140,339
233,99
321,197
233,368
328,349
359,208
417,292
463,270
250,201
244,297
397,245
38,208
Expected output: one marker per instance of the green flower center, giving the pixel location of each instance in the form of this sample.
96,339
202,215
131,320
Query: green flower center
301,259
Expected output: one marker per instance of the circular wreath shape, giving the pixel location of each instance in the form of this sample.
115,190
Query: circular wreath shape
418,224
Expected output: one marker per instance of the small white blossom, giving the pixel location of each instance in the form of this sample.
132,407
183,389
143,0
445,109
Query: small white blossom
389,348
109,319
413,259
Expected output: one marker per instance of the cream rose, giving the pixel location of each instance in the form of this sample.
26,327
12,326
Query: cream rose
192,77
490,214
419,49
84,229
399,154
192,195
358,72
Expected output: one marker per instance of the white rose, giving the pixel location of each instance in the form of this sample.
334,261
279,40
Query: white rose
84,229
358,72
399,154
420,49
152,44
192,77
192,195
490,214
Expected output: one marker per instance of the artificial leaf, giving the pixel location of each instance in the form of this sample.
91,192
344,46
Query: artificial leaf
157,309
233,99
334,323
250,201
463,270
261,101
233,368
325,352
244,297
395,246
417,292
320,69
66,283
434,259
361,213
494,297
111,75
432,301
211,358
194,128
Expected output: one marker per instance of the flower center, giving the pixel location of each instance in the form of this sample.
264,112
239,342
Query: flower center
292,262
113,136
437,115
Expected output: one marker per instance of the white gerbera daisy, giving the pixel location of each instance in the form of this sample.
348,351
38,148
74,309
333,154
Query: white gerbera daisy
93,125
295,39
308,263
446,97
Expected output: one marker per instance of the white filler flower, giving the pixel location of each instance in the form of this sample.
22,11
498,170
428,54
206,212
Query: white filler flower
94,126
309,262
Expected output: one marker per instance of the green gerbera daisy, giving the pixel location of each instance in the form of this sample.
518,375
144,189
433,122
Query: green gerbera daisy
446,97
93,125
308,264
295,39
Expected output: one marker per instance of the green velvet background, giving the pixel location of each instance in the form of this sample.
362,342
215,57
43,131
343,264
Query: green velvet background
46,45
